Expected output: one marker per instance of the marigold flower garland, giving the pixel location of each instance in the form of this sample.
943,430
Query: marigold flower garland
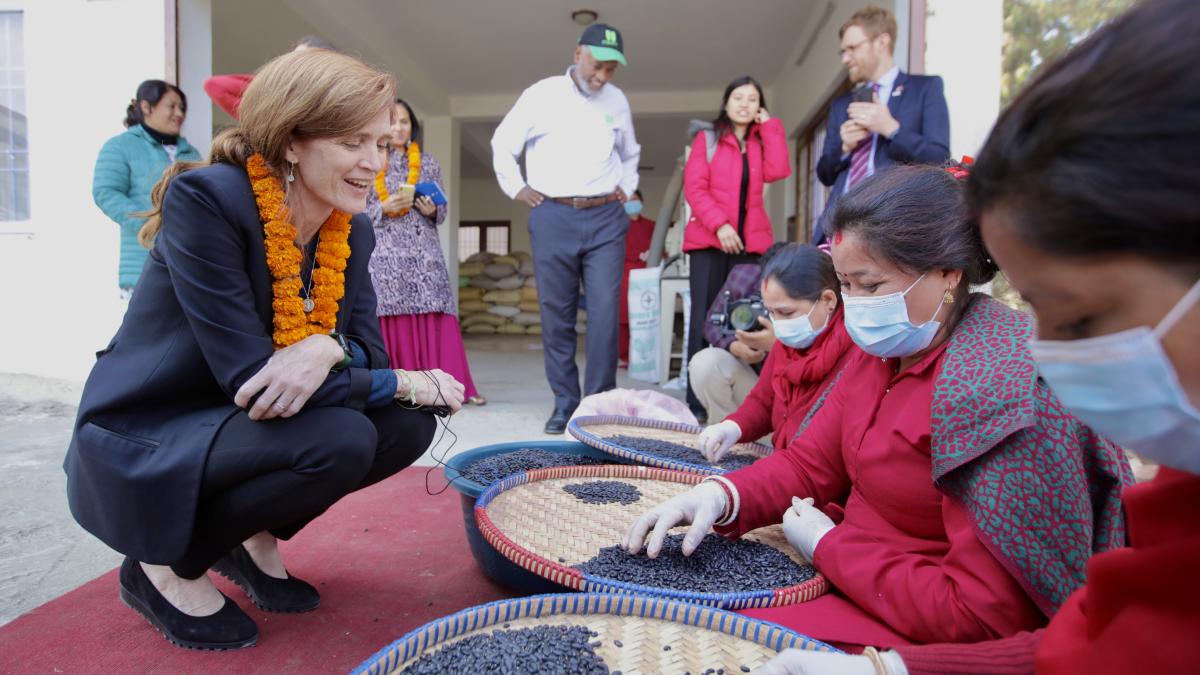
292,323
414,172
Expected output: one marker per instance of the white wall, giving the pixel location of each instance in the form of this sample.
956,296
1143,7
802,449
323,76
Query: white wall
195,66
84,61
971,72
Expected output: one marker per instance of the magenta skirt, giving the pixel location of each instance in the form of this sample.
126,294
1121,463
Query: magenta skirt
427,341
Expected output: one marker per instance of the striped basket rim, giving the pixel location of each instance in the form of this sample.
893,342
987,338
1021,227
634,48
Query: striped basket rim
416,642
572,578
578,428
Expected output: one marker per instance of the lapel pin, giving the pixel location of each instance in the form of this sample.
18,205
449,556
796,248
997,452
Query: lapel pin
899,90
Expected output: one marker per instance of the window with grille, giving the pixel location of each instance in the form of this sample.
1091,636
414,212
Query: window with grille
490,236
14,143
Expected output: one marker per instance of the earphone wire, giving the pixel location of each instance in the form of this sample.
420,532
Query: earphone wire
439,461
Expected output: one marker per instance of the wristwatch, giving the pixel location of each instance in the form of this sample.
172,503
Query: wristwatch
347,356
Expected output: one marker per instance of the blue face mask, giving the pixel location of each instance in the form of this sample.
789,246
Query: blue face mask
880,325
633,207
798,332
1124,386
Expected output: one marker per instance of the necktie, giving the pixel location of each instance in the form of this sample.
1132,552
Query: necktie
860,159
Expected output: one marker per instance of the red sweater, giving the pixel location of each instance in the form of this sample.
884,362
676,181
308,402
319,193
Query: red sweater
1138,613
792,383
712,188
905,558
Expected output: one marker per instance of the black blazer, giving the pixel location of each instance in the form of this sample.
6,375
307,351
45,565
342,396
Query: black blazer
918,102
198,326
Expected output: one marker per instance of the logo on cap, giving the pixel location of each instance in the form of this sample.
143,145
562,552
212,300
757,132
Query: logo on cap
610,37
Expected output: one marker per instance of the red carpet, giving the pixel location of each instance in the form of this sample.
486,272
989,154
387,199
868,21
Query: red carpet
386,560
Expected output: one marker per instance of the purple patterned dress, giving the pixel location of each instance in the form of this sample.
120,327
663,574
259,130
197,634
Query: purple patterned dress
415,300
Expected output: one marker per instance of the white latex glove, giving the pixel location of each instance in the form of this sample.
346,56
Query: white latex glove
804,525
701,506
804,662
717,439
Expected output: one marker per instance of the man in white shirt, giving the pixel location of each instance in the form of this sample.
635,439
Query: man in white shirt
581,159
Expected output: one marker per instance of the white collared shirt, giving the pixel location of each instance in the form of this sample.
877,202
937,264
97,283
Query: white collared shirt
886,83
575,145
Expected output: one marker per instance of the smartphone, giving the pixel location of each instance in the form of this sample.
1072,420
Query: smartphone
406,190
862,94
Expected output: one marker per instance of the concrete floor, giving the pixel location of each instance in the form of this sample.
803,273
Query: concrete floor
44,554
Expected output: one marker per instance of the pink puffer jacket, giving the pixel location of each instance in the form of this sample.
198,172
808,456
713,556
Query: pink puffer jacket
712,189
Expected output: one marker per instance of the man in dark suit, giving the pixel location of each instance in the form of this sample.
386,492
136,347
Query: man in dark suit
890,118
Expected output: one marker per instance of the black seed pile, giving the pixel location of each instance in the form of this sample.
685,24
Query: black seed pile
682,453
604,492
718,565
491,469
540,649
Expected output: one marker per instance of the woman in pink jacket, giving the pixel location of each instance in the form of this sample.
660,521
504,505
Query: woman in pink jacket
723,183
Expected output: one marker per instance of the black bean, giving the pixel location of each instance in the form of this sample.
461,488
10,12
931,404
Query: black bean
541,649
491,469
681,453
718,565
666,648
604,492
618,643
745,669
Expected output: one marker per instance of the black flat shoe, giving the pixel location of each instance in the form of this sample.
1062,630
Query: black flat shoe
557,423
229,628
289,596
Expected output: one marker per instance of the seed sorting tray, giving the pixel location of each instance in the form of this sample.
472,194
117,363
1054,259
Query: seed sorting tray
596,431
531,520
637,634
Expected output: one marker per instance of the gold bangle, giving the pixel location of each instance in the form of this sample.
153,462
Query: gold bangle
873,655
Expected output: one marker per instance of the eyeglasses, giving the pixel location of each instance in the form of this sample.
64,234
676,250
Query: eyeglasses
845,50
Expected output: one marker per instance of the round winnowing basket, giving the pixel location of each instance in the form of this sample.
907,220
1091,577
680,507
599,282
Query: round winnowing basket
595,431
531,520
700,637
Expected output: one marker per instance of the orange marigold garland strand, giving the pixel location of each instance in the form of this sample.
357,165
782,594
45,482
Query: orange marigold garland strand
414,173
292,323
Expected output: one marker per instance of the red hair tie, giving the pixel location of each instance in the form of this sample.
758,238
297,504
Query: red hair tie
962,171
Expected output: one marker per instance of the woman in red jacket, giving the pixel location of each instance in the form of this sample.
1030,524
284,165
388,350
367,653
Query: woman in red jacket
800,290
723,182
952,497
1087,205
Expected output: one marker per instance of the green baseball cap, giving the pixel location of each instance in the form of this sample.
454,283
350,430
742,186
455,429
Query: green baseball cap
605,42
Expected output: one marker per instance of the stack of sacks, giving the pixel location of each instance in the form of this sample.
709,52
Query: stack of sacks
498,295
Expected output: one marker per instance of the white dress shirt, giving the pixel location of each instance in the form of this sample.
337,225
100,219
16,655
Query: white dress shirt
575,145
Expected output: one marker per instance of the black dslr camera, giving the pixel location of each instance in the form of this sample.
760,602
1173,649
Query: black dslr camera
741,314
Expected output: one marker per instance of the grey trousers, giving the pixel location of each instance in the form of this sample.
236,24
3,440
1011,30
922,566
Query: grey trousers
572,245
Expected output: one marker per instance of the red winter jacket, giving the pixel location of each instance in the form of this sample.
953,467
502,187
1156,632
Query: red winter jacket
712,189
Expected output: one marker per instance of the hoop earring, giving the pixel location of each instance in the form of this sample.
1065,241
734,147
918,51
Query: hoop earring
291,174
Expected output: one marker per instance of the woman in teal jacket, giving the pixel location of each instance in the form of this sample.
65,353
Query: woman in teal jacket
131,163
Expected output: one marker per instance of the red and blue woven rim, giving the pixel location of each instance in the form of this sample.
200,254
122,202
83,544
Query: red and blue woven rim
572,578
578,428
434,633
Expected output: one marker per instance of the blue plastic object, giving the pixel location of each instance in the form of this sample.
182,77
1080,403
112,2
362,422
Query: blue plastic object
498,568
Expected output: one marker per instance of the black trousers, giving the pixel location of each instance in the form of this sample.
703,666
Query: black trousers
707,270
280,474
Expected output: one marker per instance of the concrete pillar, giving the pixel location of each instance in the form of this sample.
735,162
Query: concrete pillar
972,84
441,138
195,65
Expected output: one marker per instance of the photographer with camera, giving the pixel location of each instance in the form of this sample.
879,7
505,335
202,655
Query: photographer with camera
741,336
800,295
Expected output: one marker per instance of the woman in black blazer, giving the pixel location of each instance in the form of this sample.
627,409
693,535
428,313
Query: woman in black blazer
247,389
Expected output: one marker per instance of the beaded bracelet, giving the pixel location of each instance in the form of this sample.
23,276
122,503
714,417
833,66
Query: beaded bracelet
411,396
876,660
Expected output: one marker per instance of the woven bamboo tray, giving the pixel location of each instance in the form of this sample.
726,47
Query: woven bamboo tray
529,519
699,637
595,429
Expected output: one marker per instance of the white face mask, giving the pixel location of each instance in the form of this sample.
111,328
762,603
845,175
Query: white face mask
1124,386
798,332
879,325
